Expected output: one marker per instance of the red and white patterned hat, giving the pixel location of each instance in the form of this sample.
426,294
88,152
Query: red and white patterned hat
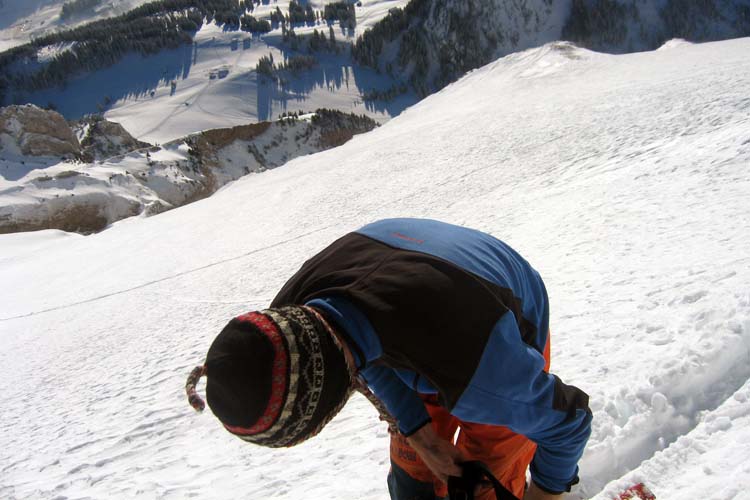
275,377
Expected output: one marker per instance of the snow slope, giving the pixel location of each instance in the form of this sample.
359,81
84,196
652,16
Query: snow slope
623,179
21,20
216,84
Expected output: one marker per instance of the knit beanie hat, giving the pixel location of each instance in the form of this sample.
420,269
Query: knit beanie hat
275,377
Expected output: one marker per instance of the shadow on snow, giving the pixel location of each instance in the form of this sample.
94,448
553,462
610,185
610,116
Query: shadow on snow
331,73
134,76
137,77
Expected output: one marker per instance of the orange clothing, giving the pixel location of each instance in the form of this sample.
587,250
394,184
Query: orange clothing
505,453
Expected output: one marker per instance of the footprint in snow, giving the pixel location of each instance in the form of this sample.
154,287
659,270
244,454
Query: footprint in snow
694,297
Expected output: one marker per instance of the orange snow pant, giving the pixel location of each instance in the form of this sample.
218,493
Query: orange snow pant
506,453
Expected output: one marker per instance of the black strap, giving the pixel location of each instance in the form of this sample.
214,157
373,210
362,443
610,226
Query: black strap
474,473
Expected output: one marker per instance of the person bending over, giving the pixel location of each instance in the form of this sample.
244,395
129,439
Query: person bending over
447,326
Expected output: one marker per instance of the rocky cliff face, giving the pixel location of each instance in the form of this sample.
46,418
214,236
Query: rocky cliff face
34,132
435,42
132,178
38,132
101,139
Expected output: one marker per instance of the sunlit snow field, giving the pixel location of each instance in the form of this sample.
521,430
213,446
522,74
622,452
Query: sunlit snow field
623,179
215,83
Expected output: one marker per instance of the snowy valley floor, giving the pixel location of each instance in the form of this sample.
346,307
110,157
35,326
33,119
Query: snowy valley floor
216,84
623,179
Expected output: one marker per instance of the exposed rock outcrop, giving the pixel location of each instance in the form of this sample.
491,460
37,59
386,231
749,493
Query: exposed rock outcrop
39,132
87,196
337,128
221,137
102,138
84,215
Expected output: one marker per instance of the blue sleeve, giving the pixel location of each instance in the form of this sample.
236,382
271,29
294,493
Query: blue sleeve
511,388
402,402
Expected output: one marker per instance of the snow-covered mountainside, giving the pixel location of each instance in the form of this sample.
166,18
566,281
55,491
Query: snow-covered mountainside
21,20
623,179
51,180
433,42
164,71
169,69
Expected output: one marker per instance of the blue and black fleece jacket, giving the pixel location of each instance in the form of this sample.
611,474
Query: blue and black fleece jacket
428,307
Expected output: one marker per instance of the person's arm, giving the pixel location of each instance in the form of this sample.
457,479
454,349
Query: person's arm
357,334
511,388
400,400
440,455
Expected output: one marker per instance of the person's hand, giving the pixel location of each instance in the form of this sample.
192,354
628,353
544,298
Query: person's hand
534,492
441,456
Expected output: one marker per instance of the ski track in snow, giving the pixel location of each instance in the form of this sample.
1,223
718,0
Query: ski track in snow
160,280
623,179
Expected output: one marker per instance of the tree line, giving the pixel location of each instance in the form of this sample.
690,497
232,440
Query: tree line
603,24
313,42
146,30
77,7
342,12
407,26
431,63
266,65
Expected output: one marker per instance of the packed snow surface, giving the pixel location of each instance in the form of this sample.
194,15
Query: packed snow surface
623,179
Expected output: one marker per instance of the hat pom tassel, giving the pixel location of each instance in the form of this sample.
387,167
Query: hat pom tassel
192,381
